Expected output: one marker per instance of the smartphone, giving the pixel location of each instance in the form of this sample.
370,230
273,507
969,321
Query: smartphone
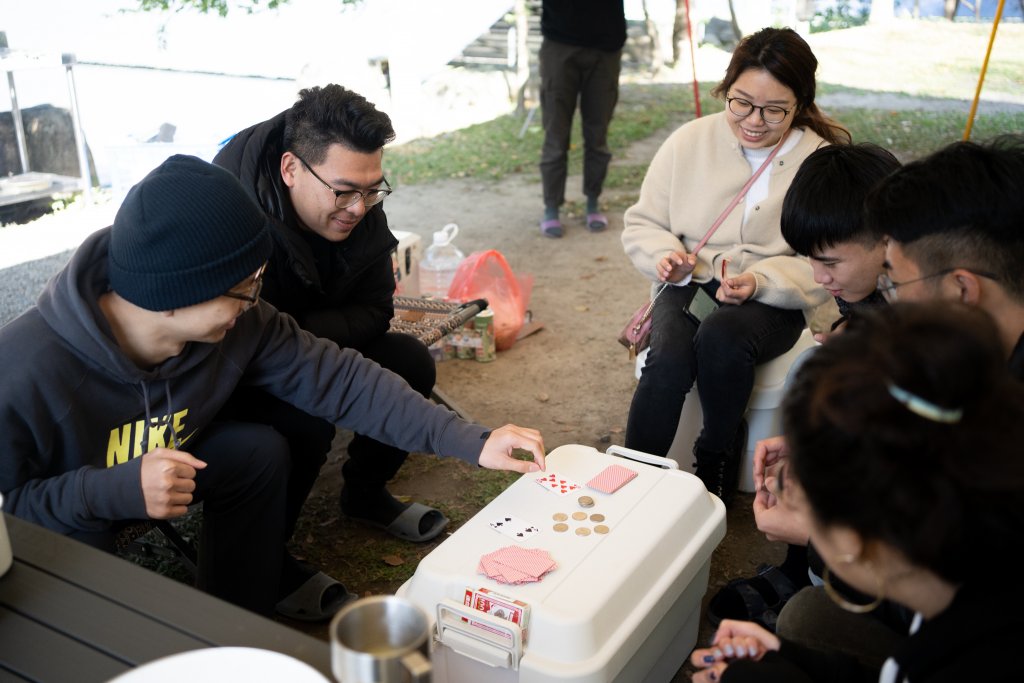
701,306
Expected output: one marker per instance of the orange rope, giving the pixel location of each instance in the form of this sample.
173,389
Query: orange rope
693,59
984,67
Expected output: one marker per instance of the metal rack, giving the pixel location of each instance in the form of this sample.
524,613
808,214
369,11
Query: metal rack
30,185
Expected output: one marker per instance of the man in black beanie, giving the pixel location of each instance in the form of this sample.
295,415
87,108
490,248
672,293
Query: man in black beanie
114,382
316,171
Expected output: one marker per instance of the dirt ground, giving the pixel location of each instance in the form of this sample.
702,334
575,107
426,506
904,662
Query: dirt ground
571,380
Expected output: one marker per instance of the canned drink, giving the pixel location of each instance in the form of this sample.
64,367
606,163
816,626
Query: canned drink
483,323
465,341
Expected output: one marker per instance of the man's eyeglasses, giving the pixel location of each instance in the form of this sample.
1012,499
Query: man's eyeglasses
742,108
252,294
346,198
888,288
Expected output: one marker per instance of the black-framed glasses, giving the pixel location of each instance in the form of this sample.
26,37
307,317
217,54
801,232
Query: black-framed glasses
346,198
888,288
252,294
742,108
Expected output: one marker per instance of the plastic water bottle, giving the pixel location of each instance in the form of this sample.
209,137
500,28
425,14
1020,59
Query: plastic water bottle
440,261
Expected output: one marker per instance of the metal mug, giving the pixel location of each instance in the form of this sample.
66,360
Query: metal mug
380,639
6,557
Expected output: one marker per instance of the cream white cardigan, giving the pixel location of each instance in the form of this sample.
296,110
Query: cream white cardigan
692,178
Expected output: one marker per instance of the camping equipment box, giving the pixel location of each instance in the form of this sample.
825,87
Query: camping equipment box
621,604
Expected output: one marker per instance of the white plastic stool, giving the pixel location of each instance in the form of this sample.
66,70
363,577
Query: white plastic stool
763,417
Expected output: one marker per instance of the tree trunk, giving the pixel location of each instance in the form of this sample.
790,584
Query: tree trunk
950,7
679,31
735,24
522,55
652,34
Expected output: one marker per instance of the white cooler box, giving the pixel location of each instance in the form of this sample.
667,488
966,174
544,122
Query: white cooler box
620,606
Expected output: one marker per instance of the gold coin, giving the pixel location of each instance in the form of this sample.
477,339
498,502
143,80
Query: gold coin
600,529
560,527
582,531
586,502
597,517
559,516
579,516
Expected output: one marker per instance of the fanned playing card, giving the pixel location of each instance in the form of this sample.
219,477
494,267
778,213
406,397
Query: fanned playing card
513,527
557,484
611,479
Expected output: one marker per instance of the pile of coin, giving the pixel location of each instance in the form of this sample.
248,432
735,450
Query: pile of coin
561,519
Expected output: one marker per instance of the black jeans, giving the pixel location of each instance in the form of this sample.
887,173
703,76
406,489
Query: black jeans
243,492
720,355
569,74
371,464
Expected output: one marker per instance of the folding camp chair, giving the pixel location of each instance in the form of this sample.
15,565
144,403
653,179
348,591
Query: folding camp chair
430,321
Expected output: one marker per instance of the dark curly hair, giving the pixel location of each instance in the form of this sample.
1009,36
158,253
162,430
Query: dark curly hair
943,494
329,115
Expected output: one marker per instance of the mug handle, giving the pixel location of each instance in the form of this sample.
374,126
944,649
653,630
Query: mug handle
418,666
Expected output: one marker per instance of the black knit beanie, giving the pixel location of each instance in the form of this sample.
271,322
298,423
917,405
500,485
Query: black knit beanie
185,234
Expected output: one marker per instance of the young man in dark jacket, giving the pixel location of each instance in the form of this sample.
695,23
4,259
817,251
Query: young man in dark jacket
114,384
316,171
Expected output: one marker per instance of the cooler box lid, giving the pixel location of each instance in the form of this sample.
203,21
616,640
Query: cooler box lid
609,590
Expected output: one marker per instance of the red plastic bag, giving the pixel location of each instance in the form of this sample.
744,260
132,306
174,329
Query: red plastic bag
487,275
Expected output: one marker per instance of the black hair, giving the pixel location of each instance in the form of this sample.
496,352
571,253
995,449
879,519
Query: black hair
962,206
824,205
328,115
789,59
944,494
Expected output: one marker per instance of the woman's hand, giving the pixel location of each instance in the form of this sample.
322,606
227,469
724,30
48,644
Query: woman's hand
733,640
676,266
736,290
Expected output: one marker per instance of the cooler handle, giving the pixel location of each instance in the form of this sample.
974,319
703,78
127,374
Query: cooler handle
640,456
454,629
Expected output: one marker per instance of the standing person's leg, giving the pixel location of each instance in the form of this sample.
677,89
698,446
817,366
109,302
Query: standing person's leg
559,90
730,343
243,490
667,375
600,94
372,464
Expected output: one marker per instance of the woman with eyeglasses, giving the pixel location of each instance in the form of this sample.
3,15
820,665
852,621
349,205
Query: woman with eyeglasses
905,434
762,288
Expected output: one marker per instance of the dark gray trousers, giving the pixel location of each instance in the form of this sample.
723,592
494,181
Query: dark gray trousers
568,75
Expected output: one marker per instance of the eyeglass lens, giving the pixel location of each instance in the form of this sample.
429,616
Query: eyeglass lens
743,108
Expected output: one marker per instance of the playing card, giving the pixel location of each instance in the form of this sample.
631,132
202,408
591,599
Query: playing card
513,527
557,484
611,479
513,564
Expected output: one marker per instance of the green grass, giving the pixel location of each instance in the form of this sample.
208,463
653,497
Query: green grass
494,149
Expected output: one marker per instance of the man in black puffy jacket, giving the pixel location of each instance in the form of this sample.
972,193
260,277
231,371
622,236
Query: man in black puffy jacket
316,170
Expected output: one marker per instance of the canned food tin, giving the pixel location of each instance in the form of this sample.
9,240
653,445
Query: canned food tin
483,323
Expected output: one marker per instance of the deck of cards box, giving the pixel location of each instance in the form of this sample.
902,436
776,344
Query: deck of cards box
590,572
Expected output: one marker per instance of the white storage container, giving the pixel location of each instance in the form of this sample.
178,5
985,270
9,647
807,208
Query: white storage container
620,606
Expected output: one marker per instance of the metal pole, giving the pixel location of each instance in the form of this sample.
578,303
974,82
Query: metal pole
19,125
76,124
984,67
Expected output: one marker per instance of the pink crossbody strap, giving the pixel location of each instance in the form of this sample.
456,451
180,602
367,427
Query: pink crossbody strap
743,191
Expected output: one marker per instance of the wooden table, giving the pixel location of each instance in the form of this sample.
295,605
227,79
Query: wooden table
69,612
